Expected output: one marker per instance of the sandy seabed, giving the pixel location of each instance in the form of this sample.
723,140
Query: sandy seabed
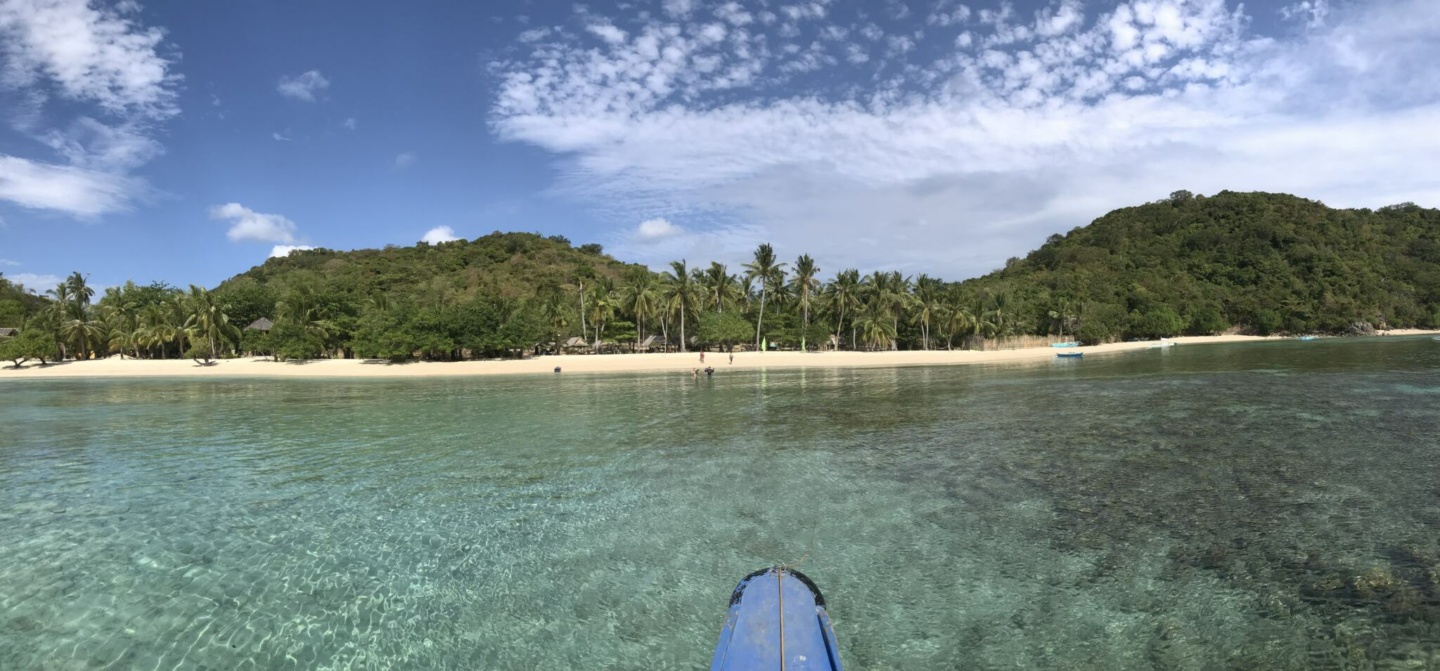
681,363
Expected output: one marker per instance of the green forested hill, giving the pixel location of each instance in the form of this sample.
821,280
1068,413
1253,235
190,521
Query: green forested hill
1261,262
1252,262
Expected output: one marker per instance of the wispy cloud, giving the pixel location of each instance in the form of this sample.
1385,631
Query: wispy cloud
996,129
280,138
94,62
406,159
36,284
69,189
249,225
306,86
350,123
8,262
439,234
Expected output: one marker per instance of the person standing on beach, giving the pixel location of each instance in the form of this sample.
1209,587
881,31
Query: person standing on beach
702,356
732,358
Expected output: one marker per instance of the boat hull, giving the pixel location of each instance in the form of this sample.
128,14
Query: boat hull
777,620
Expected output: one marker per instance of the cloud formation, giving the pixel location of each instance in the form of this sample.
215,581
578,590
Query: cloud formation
36,284
439,234
406,159
249,225
948,148
279,251
60,56
305,86
653,229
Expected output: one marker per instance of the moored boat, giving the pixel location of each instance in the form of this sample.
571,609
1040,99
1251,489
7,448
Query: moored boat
777,620
1069,355
1065,344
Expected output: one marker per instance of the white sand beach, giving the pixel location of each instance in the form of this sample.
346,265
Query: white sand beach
579,363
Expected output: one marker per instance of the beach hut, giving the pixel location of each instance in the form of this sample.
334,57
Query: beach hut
7,333
647,343
261,324
576,344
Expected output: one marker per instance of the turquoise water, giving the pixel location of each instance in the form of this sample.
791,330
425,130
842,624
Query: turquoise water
1267,506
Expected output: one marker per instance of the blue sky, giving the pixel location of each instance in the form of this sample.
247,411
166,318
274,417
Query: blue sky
187,141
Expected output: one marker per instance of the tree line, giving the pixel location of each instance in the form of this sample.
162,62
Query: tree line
1186,265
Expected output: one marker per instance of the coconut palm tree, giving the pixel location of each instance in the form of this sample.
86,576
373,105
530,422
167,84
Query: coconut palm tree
926,305
601,310
842,297
207,322
876,328
888,293
79,292
770,274
954,318
641,298
805,285
680,293
721,289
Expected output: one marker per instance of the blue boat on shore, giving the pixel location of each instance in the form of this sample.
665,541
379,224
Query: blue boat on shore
777,620
1309,337
1069,355
1065,344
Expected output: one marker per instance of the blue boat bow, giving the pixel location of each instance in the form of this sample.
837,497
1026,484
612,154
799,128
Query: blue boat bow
777,620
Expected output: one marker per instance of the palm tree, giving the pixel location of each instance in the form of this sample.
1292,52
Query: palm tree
1001,314
888,294
207,320
641,298
79,292
954,318
876,328
927,305
720,286
301,309
842,297
603,300
770,274
680,290
805,285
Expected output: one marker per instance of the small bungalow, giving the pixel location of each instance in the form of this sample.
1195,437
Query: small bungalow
576,344
648,343
261,324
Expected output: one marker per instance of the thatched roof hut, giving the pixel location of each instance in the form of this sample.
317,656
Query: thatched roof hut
648,343
261,324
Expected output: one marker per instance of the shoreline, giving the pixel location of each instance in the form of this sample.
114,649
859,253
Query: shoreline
673,362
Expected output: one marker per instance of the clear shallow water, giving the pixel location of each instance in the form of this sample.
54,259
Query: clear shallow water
1269,506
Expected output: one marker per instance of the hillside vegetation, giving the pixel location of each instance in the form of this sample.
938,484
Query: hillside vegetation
1261,262
1249,262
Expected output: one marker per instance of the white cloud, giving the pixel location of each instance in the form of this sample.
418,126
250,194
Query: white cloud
439,234
8,262
36,284
249,225
607,32
406,159
280,138
350,123
93,62
92,54
284,250
305,86
72,190
1035,125
653,229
